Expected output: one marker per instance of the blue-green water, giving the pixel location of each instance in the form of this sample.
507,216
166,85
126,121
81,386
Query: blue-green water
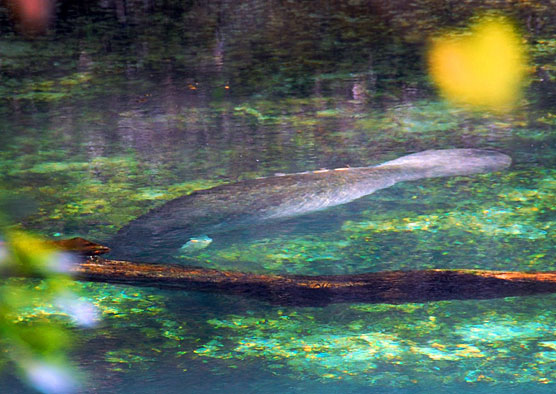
103,119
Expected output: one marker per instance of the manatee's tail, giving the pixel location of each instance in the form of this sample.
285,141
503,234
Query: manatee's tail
447,162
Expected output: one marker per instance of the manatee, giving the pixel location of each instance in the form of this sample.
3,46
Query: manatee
248,203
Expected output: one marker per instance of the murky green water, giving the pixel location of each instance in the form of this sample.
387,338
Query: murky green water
112,114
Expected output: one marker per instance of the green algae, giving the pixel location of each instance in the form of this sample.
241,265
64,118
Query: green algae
245,110
69,86
363,344
444,339
56,166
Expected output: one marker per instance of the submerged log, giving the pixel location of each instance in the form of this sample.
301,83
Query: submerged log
301,290
376,287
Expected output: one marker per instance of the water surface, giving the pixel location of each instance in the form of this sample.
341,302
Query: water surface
114,112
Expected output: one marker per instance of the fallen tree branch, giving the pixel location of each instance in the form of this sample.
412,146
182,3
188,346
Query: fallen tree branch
301,290
377,287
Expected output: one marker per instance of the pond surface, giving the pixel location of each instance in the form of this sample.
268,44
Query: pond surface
116,110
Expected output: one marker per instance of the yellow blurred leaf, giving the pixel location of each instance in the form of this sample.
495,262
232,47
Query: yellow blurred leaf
483,67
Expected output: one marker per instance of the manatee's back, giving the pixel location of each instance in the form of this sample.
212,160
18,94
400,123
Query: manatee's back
222,209
447,162
228,207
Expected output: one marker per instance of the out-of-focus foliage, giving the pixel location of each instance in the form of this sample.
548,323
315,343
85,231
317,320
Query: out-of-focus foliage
33,16
38,346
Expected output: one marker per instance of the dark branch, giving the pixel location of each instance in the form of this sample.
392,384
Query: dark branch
377,287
